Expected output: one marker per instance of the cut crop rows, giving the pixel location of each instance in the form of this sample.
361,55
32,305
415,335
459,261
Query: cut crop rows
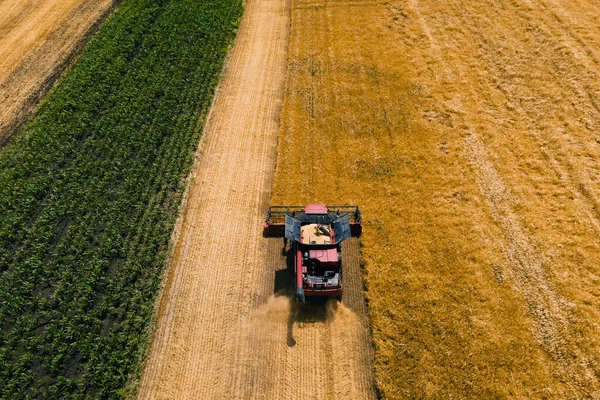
89,193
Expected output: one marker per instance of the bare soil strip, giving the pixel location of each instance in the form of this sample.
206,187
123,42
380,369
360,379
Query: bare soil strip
38,41
226,328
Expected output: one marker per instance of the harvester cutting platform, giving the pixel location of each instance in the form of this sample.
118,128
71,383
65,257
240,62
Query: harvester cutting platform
316,233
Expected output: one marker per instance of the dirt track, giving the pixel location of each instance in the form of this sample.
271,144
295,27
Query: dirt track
38,40
226,328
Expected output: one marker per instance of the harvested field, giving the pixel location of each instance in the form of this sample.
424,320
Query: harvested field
38,40
467,132
227,327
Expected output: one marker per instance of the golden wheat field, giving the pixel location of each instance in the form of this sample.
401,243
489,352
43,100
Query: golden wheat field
468,132
38,41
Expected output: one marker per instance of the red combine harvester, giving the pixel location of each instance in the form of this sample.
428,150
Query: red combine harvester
316,233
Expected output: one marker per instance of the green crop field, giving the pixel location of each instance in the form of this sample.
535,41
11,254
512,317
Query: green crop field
89,193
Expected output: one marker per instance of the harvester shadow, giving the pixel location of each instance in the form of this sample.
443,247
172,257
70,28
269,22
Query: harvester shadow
315,310
284,277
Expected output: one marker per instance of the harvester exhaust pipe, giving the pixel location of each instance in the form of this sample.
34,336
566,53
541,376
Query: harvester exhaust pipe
299,280
300,294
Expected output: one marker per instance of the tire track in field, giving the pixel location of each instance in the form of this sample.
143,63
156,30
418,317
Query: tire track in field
548,309
559,147
227,327
575,67
550,312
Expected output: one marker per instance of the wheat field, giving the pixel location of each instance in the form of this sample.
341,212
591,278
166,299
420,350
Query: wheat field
467,131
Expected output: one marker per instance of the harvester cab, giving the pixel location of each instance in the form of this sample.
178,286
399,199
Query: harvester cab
315,233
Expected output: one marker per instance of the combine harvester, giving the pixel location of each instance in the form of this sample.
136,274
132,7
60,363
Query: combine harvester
316,233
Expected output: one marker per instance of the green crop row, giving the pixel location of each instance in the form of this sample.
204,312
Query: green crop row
89,193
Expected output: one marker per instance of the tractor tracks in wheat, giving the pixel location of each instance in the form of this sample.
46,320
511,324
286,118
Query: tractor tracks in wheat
537,81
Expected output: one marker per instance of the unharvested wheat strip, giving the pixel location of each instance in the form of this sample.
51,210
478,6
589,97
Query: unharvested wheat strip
351,344
519,77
